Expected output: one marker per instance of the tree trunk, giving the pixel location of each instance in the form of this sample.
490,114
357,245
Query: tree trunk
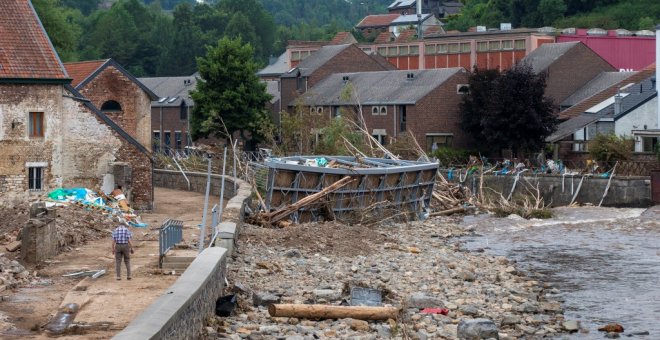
333,312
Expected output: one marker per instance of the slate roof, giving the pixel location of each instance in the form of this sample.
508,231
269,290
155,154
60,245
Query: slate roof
401,4
276,69
380,20
26,52
601,82
409,19
599,97
86,71
173,87
545,55
451,7
316,60
378,88
634,96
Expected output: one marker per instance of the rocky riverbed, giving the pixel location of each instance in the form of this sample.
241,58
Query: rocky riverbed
415,265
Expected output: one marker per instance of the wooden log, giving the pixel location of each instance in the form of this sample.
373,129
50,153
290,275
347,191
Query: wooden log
447,212
13,246
332,312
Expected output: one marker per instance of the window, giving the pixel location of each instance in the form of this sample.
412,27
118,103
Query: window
110,106
168,139
442,49
414,50
300,83
295,55
183,114
382,51
319,109
402,118
383,110
439,139
431,49
403,50
375,110
391,51
507,44
494,46
177,140
156,141
453,48
482,46
462,89
312,110
35,178
36,124
382,139
465,48
520,45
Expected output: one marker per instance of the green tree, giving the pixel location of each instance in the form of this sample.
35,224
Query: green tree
509,110
552,10
229,92
609,148
62,26
184,46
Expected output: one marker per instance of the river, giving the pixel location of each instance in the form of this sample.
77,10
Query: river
604,261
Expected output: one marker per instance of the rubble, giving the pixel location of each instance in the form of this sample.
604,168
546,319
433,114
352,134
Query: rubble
332,257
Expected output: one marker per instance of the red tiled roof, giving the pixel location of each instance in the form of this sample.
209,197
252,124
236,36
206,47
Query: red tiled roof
25,50
383,37
81,70
377,20
601,96
339,38
406,36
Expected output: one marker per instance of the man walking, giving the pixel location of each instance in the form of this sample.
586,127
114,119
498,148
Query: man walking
122,248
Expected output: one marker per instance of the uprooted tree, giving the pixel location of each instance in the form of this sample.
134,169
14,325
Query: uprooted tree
508,110
229,97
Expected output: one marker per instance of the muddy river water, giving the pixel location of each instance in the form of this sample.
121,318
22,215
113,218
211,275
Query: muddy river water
604,261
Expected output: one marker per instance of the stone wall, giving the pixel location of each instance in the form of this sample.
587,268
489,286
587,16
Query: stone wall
623,191
181,313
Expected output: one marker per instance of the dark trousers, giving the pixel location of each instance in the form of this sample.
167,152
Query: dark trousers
122,251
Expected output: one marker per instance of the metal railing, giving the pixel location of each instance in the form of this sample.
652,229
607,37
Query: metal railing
170,233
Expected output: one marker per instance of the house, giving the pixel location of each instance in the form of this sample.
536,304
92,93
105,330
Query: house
569,66
627,108
170,112
601,82
372,25
424,102
51,136
326,61
117,93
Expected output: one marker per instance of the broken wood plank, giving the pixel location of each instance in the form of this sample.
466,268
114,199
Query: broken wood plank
447,212
332,312
14,246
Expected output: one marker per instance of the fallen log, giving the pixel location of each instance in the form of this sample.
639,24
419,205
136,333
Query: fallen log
13,246
332,312
447,212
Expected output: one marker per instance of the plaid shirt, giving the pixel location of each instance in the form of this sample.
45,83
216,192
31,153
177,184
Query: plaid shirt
121,235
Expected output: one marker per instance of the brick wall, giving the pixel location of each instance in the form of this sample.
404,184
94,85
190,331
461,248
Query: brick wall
135,117
572,71
171,122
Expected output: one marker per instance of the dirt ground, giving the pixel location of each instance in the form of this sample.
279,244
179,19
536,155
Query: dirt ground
108,305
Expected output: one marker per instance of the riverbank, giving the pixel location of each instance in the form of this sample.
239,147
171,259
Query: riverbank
415,266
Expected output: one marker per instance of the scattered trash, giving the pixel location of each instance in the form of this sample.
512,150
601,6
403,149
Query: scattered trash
92,273
443,311
111,206
225,305
366,297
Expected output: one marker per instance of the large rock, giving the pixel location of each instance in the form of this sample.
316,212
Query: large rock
572,326
264,299
421,300
476,329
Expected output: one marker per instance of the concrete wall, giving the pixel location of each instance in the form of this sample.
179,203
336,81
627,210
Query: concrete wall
181,313
623,192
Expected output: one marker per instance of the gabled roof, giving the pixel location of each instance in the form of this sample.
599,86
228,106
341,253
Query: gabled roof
383,37
631,98
86,71
545,55
406,36
123,134
410,19
316,60
378,88
599,97
276,69
343,38
600,83
382,61
401,4
380,20
26,53
175,89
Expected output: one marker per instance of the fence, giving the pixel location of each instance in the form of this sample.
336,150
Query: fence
170,233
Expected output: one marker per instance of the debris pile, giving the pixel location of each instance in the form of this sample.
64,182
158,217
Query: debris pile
12,273
77,226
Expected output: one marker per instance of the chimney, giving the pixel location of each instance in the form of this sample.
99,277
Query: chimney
617,103
657,69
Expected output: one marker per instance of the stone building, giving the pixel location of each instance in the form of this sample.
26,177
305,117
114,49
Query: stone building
50,135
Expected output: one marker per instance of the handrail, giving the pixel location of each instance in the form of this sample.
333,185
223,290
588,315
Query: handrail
170,233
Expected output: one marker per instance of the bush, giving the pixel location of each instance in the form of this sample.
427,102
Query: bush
449,156
610,148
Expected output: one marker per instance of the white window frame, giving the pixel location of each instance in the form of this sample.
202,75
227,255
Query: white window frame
38,167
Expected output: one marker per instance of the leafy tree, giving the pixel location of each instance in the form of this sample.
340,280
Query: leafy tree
62,25
230,92
184,46
508,110
551,10
609,148
84,6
